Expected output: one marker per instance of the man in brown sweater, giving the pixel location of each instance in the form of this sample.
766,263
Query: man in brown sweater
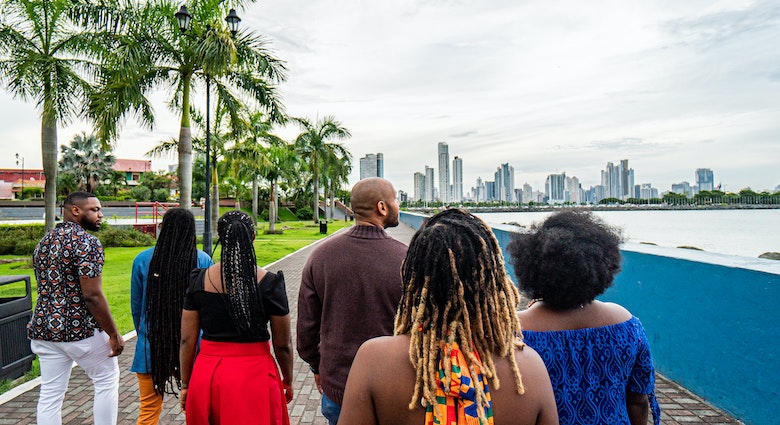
350,289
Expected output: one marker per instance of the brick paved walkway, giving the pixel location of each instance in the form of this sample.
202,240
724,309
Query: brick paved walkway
17,407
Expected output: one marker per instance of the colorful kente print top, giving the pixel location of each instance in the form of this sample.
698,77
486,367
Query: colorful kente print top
592,368
63,256
456,391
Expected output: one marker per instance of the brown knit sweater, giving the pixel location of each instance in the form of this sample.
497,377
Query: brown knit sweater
350,289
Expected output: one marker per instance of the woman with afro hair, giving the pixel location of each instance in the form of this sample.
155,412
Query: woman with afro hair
596,352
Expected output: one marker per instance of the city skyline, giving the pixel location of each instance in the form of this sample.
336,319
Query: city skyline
548,88
616,181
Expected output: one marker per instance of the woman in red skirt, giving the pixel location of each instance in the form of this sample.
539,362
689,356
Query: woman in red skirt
235,379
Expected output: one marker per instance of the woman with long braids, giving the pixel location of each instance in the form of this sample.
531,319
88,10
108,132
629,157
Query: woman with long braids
234,379
160,276
457,356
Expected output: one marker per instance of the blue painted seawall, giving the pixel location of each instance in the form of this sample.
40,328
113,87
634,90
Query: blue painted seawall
713,321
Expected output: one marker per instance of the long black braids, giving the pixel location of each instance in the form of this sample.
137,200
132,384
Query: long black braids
238,270
175,256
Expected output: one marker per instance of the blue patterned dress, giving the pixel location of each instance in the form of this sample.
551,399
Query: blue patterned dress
592,368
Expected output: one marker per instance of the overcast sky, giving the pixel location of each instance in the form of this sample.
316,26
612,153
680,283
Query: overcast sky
547,86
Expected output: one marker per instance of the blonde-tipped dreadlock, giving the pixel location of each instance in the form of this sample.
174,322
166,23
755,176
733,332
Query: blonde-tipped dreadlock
456,289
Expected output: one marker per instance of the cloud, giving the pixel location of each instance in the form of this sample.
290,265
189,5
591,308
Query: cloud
713,29
463,134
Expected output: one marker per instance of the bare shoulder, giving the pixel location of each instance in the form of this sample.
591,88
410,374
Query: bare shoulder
384,347
529,360
536,399
260,273
614,313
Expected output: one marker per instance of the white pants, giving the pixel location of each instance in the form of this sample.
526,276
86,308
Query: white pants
91,354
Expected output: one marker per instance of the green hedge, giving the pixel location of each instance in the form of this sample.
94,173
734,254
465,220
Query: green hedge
21,239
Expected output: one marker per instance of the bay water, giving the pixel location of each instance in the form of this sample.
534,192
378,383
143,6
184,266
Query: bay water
747,233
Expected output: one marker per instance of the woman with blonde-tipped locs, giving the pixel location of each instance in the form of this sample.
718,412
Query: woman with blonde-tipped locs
457,355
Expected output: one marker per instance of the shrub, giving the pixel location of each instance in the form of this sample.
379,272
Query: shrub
141,193
110,236
22,239
19,239
160,195
25,247
305,213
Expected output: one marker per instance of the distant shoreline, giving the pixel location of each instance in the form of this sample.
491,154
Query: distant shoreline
544,208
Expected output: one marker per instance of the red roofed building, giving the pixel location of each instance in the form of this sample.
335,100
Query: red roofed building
12,179
133,168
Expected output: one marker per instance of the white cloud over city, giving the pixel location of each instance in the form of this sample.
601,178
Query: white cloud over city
548,86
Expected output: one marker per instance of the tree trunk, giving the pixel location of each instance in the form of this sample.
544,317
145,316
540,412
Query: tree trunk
276,202
214,197
332,199
184,172
316,202
49,157
272,207
254,199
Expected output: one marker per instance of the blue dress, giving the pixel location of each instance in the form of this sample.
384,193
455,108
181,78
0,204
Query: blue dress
592,368
141,359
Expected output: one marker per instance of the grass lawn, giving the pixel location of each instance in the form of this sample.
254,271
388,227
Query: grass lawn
117,268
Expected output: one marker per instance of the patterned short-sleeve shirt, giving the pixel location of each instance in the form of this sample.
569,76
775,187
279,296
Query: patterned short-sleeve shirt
61,258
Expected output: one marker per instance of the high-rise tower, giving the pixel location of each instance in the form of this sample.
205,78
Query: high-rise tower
428,184
419,187
457,179
705,180
372,165
444,172
505,183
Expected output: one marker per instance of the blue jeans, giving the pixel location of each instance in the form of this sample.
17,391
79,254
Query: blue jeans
330,410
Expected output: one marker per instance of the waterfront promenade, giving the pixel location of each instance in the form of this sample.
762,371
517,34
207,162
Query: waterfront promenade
17,407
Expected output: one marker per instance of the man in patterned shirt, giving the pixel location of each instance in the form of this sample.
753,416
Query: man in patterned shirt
72,321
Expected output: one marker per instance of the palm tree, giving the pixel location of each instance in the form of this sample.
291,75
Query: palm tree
152,52
263,155
87,160
338,166
46,58
313,145
115,180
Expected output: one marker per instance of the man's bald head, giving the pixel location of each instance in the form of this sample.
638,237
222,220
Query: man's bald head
373,201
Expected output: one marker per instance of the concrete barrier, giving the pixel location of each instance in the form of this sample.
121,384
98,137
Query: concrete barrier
712,320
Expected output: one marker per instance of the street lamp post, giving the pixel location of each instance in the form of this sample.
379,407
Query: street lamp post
18,160
184,19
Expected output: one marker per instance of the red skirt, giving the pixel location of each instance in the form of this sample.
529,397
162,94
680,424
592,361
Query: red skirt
235,384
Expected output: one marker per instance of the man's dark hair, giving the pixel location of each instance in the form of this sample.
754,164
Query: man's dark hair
238,270
455,288
174,258
76,197
567,260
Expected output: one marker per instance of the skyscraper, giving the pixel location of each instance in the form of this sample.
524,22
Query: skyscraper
372,165
573,190
527,193
480,193
457,179
618,181
555,188
705,179
682,188
505,183
444,172
429,195
419,187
